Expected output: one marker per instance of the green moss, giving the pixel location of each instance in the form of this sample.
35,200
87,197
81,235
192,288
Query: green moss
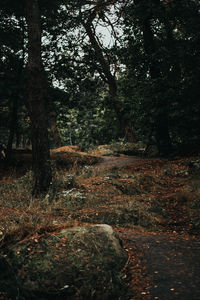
83,259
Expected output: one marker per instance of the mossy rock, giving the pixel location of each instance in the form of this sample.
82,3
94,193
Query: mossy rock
75,263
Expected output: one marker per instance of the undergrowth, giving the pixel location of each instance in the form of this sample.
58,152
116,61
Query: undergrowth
150,194
118,197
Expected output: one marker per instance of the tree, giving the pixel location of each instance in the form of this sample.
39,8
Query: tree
161,44
12,66
17,93
82,14
107,76
148,77
37,96
161,126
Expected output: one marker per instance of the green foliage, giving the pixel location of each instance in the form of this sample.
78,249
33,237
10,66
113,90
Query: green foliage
86,127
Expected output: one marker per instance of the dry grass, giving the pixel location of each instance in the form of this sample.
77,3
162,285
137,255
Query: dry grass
189,199
118,148
70,199
68,156
129,197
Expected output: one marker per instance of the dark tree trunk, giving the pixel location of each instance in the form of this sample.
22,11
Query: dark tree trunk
37,94
161,119
13,127
54,129
174,71
128,134
109,79
18,138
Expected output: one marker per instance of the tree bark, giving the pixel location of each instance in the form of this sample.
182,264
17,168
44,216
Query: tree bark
37,95
161,120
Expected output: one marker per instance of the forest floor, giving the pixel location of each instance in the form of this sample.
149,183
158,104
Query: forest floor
167,260
153,204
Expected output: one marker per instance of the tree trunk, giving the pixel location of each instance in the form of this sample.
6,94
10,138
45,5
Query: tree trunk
128,134
37,94
13,127
54,129
161,120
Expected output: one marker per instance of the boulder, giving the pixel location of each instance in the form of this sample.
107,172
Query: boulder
74,263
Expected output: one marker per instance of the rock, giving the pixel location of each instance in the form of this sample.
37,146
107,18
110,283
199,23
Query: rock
74,263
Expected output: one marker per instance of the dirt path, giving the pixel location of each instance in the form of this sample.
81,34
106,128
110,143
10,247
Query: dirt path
109,162
169,264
